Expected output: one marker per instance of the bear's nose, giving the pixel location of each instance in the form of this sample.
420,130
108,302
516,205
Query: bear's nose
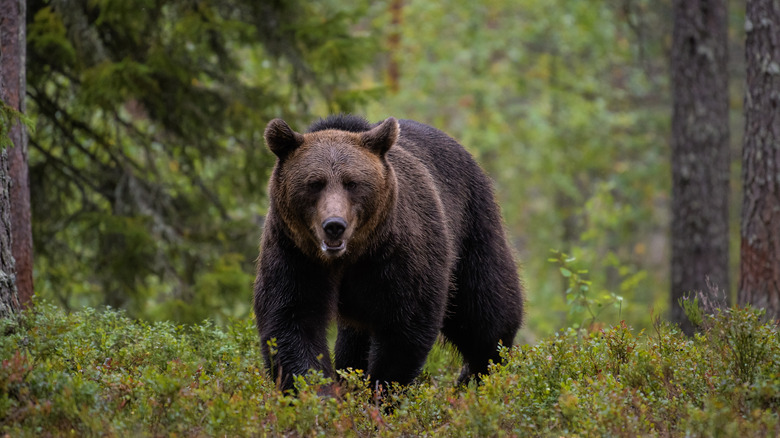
334,227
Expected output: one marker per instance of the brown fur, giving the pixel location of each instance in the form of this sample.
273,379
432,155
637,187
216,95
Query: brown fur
392,229
303,168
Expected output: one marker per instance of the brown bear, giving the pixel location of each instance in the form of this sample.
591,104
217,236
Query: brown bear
391,229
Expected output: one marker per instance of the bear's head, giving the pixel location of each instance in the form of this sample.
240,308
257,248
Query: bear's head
332,188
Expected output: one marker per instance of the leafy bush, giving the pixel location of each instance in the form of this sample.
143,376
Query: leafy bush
97,372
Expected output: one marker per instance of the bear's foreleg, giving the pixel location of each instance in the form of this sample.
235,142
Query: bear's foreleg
352,347
398,355
295,347
292,310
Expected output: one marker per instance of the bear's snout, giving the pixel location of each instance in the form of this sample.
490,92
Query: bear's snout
334,244
334,227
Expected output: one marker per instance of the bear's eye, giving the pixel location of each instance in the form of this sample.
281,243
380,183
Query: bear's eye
350,185
316,185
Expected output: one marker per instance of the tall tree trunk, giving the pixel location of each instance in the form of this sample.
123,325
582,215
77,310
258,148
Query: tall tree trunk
700,145
9,298
12,92
759,283
394,45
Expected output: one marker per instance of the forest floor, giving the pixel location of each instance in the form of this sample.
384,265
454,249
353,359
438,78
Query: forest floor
98,372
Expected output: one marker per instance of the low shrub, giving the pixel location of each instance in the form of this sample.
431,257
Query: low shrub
100,373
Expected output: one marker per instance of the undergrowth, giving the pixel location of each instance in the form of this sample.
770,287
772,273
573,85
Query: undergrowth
100,373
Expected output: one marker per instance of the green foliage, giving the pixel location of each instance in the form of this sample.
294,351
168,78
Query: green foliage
8,117
579,294
692,309
101,373
148,169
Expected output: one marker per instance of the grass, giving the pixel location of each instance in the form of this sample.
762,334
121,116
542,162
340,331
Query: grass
99,373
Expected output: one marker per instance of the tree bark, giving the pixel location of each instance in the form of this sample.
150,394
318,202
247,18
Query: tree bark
759,283
12,92
700,151
394,45
9,298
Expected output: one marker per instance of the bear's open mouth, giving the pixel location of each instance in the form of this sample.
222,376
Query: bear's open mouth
333,247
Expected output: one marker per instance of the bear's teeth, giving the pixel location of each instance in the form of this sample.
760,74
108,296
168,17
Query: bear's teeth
326,247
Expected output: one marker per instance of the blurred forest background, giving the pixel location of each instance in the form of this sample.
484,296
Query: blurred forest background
148,169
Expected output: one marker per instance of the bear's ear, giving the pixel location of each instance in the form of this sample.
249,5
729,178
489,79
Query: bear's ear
280,138
381,138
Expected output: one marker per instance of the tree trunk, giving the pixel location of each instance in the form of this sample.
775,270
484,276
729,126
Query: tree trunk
394,45
759,283
700,146
12,92
9,299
